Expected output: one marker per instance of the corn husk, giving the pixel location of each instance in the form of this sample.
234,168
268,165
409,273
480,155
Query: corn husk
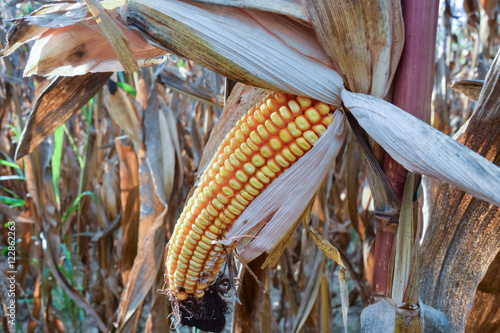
290,8
363,38
254,47
422,149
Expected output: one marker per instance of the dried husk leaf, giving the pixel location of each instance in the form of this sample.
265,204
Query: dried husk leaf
58,102
290,8
115,36
253,47
76,46
422,149
368,55
31,27
283,202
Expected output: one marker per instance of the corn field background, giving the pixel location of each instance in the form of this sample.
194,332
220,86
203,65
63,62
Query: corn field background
88,219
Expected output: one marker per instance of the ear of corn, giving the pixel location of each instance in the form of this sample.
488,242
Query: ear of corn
264,143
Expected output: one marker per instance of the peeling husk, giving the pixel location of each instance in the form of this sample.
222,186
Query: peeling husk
422,149
261,49
367,56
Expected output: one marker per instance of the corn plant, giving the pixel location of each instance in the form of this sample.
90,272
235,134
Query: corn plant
318,79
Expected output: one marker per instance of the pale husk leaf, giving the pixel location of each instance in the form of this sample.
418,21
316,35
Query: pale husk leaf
290,8
264,222
422,149
257,48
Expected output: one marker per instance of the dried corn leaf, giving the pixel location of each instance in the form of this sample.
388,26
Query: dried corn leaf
75,45
404,243
130,198
257,48
423,149
122,110
275,210
59,101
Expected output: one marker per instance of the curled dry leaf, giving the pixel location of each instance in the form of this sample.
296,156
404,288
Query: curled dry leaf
122,110
470,88
58,102
283,202
257,48
422,149
77,45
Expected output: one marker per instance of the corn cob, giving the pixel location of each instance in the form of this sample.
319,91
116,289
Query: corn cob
264,143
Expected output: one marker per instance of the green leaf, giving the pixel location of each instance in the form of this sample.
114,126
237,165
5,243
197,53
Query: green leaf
56,161
127,87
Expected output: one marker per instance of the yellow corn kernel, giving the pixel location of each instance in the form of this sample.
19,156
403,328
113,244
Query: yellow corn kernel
273,165
310,136
245,149
265,110
259,116
258,161
272,104
294,107
292,128
255,138
319,129
234,184
251,190
327,120
271,127
285,136
245,130
256,183
262,177
288,154
266,152
303,144
241,176
252,145
252,123
277,120
313,115
304,102
302,123
275,144
286,114
322,108
262,131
